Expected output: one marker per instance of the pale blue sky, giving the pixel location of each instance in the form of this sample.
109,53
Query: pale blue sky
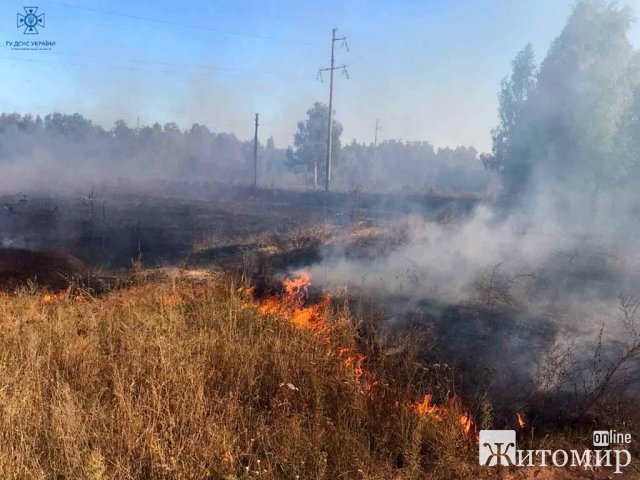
429,70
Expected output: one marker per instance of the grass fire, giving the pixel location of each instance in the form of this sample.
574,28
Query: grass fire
423,266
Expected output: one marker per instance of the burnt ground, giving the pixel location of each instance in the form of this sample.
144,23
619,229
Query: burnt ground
251,232
19,267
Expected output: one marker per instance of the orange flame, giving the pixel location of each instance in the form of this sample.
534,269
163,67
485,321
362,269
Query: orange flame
313,317
465,422
292,308
270,306
369,383
521,420
426,409
51,298
353,361
296,290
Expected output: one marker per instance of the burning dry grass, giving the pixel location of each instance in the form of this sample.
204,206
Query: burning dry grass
314,318
196,379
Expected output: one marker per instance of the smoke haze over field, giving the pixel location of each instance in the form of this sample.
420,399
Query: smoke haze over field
558,251
427,70
68,152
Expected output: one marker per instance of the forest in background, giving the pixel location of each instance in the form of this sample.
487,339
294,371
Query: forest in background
39,152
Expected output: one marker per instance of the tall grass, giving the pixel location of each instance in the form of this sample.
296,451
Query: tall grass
185,379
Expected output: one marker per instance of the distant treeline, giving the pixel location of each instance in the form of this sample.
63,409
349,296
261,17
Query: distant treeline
411,166
70,150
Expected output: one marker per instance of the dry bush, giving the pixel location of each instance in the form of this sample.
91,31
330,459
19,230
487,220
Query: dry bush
184,379
599,390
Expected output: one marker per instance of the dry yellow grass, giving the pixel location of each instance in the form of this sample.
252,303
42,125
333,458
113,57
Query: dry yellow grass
185,379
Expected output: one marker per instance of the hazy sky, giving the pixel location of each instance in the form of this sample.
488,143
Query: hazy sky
429,70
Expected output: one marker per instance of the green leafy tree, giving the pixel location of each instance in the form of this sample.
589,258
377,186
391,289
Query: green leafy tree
514,93
309,150
568,129
583,97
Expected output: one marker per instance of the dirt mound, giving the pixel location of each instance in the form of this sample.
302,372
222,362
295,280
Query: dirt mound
46,269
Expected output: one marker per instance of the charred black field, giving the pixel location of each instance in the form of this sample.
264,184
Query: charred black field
113,230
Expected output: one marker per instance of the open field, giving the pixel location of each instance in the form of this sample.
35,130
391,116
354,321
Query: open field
153,339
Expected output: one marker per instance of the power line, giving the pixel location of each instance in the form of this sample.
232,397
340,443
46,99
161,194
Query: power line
331,69
171,64
172,67
31,60
107,66
132,60
175,24
150,62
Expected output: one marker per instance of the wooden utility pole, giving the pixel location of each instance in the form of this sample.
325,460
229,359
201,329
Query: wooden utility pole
255,156
334,39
